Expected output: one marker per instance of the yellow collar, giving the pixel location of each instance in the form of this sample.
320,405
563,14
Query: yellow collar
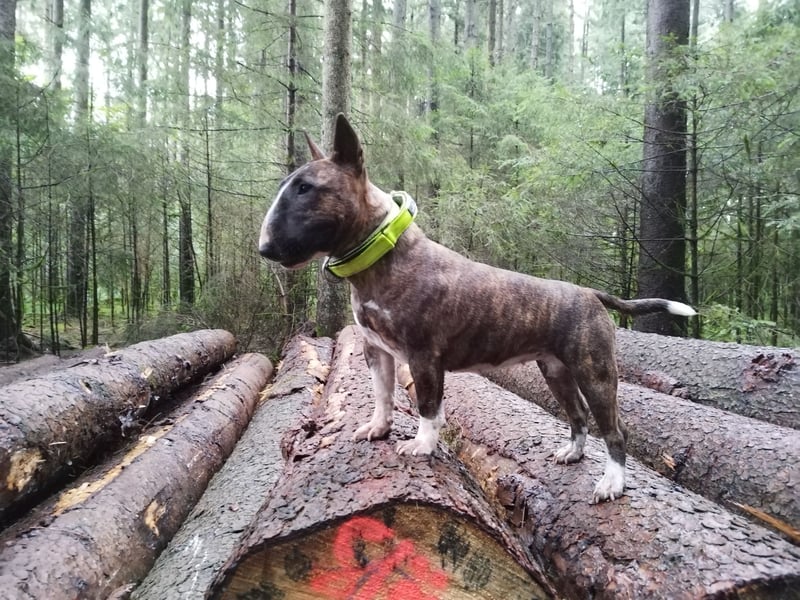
380,242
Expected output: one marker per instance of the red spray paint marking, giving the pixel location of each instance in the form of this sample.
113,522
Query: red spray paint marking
400,573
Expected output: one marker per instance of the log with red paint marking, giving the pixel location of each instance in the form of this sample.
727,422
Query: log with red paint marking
355,520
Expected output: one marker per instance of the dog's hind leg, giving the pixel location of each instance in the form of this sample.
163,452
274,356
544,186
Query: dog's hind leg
599,387
565,390
381,369
428,377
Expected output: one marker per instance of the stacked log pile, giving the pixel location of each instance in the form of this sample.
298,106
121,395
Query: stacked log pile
300,510
104,530
52,425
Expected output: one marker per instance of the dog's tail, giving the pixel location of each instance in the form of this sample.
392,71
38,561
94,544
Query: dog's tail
645,306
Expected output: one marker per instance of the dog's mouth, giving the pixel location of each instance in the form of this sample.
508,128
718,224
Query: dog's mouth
295,265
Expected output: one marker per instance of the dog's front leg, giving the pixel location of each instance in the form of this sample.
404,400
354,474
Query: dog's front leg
381,368
429,383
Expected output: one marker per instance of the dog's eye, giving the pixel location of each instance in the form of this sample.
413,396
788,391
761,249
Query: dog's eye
303,188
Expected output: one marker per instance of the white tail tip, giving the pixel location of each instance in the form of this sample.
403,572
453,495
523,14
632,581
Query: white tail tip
681,309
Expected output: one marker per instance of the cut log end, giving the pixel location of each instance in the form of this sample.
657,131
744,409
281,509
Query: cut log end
400,551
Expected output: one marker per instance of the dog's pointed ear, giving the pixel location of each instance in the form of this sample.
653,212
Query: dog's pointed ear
346,147
316,153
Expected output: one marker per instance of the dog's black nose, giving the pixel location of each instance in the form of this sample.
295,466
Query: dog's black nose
267,250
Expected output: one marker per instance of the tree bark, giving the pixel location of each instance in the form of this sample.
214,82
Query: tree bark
42,365
657,541
694,445
53,426
332,297
209,535
663,202
9,328
105,532
355,519
77,265
762,382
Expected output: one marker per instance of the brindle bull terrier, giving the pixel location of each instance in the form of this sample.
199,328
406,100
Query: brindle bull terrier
421,303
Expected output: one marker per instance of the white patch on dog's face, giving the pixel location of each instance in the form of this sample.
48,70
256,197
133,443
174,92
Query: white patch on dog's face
611,484
264,238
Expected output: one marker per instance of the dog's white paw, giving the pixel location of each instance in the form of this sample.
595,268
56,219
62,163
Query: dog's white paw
573,451
570,453
426,439
611,484
376,429
416,447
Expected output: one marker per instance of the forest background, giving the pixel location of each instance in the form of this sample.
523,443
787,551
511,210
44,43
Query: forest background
142,142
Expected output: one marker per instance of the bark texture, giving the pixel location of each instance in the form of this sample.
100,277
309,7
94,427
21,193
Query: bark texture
356,520
51,426
723,456
657,541
762,382
662,254
210,533
105,532
47,363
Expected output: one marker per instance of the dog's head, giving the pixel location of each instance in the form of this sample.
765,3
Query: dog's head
321,208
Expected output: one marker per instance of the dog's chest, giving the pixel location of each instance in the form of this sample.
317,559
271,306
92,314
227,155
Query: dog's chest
376,323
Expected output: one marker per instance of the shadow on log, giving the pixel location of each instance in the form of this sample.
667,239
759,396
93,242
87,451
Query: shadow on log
657,541
52,426
210,533
723,456
105,532
355,520
761,382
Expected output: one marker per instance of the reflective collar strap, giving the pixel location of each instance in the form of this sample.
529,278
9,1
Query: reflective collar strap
379,243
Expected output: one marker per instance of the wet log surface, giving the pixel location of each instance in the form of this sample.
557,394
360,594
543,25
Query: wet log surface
657,541
723,456
52,426
356,520
208,536
104,533
47,363
761,382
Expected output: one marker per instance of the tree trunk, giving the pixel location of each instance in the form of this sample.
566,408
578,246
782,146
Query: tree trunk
144,37
210,533
492,32
105,532
332,296
355,520
663,202
186,266
8,325
77,252
657,541
762,382
694,445
57,43
84,411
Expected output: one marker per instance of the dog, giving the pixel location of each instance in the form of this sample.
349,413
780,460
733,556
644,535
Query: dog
420,303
